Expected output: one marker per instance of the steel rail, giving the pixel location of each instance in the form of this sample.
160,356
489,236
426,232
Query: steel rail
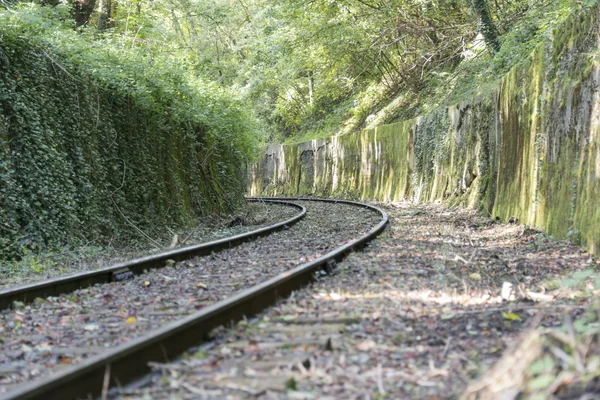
129,361
69,283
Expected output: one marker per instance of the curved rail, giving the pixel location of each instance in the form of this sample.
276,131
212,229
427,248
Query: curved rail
70,283
130,360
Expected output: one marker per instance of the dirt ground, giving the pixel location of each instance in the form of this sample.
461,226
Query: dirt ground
421,313
54,333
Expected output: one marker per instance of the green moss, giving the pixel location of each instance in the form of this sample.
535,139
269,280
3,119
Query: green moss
528,149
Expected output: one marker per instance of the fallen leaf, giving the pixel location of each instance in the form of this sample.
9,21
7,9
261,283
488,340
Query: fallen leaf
507,291
334,296
541,382
476,276
291,384
496,349
366,345
65,360
201,285
511,316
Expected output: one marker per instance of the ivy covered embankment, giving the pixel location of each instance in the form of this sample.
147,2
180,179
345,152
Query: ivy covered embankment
529,149
98,141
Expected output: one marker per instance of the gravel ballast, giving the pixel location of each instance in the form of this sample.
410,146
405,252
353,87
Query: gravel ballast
34,268
45,336
426,308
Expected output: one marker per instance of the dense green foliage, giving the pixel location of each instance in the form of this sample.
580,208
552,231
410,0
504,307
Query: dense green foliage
488,26
523,29
315,67
527,150
97,140
134,113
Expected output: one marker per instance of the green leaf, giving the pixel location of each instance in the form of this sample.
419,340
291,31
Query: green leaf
541,382
475,276
583,326
540,366
511,316
582,275
288,317
291,384
569,283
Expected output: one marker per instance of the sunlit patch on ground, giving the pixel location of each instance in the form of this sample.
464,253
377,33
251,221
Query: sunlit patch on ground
426,309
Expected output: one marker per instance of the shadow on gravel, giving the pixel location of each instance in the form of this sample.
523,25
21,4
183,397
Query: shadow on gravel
423,311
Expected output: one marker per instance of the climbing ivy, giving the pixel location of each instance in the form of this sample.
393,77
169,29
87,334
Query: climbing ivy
97,143
430,145
487,25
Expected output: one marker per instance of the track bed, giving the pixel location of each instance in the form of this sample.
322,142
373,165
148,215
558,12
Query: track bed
416,316
53,334
253,216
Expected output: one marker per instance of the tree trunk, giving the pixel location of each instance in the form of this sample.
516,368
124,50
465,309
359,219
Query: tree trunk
486,24
311,85
82,10
104,11
113,13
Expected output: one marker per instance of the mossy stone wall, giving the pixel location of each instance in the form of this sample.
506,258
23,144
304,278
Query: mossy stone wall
530,149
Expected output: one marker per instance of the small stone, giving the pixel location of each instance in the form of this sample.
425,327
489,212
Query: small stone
507,291
91,327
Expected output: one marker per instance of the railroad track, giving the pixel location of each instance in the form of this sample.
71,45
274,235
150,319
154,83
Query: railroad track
118,328
66,284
